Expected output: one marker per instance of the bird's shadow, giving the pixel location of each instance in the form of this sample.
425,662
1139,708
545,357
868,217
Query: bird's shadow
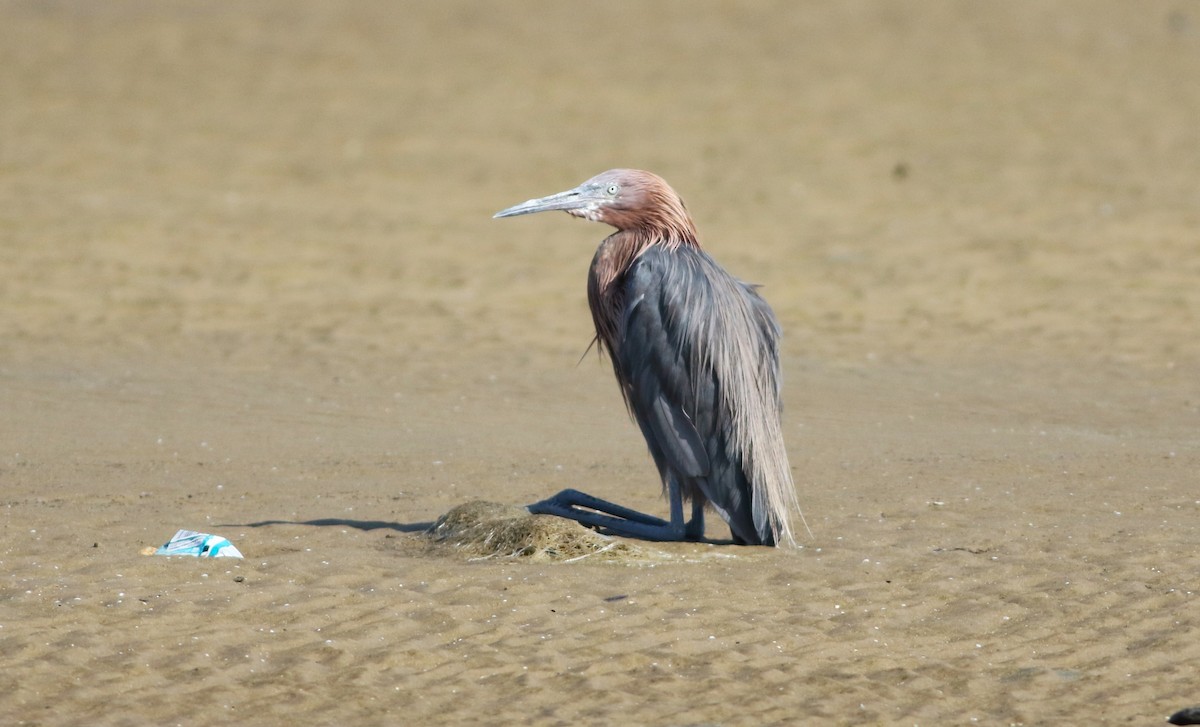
418,527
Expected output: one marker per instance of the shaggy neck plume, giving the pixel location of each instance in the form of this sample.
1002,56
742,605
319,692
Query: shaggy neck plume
650,213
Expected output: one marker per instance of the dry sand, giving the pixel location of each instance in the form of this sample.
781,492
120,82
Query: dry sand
250,285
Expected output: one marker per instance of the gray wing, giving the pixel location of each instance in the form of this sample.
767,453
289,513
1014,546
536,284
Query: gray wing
673,327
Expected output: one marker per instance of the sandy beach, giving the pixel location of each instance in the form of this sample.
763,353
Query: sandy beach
251,286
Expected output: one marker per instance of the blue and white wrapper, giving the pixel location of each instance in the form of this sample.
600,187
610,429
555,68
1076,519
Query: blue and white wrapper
203,545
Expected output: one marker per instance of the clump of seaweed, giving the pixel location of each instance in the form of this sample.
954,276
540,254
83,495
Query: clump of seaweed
490,530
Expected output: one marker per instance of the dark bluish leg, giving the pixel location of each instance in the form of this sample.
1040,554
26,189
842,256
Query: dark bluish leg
695,526
584,508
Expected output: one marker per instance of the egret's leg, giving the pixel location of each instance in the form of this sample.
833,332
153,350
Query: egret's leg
695,527
584,508
675,498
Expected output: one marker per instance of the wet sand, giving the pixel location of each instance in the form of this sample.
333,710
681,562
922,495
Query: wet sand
251,286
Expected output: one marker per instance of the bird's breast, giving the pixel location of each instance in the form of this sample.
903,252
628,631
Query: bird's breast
602,299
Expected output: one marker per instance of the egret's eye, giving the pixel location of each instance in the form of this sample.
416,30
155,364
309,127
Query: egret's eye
612,190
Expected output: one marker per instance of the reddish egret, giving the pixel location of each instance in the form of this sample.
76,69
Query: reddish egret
696,354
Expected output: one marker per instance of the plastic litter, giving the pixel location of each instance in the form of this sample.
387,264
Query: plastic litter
203,545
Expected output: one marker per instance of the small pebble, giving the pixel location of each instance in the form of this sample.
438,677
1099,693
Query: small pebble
239,579
1188,715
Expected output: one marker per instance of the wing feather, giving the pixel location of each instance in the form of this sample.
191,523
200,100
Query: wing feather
696,351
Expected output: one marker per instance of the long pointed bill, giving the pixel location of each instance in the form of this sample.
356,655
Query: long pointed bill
572,199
